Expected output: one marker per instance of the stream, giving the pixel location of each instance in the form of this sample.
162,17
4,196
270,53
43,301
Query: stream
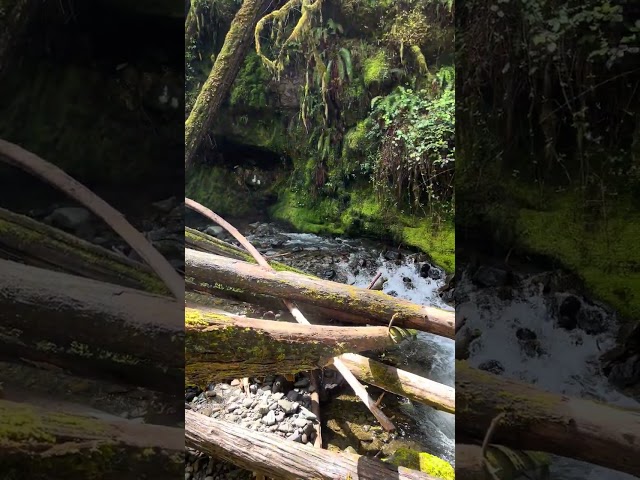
356,262
542,333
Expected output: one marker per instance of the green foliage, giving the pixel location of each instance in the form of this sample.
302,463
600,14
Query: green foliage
376,69
249,89
415,132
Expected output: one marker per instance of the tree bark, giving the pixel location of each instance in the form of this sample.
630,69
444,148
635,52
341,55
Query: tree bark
38,244
219,346
16,19
206,243
275,458
540,421
401,383
223,73
91,328
377,306
40,444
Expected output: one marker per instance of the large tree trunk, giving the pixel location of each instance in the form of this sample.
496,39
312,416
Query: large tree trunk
16,17
91,328
40,245
219,347
223,73
541,421
401,383
377,306
40,444
273,457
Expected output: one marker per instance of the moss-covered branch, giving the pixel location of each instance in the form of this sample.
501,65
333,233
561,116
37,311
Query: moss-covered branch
40,245
91,328
377,306
224,71
42,444
541,421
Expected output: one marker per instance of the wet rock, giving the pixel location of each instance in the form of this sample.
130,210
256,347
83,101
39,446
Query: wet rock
392,255
592,320
568,312
525,334
436,274
626,374
297,249
406,280
379,284
490,277
269,315
214,230
424,269
292,396
191,393
392,293
329,274
302,383
492,366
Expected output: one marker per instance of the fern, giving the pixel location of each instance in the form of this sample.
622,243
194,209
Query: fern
345,55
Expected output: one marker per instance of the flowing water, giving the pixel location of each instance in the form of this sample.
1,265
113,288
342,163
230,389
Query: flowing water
561,361
356,262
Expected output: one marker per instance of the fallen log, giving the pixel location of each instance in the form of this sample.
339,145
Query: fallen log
206,243
540,421
358,389
377,306
401,383
219,347
40,245
39,443
275,458
91,328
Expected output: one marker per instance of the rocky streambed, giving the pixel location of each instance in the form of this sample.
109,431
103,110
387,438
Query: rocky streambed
282,407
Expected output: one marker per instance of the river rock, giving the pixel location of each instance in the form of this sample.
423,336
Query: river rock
287,406
300,422
424,269
592,320
214,230
307,414
263,408
392,255
626,374
292,396
302,383
295,437
247,403
277,396
490,277
568,312
269,419
492,366
74,219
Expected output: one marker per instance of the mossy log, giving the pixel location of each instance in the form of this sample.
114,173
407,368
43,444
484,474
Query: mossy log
15,17
401,382
505,463
40,444
197,240
377,306
41,245
540,421
219,346
91,328
225,69
275,458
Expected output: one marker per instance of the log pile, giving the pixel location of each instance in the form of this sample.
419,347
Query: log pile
221,346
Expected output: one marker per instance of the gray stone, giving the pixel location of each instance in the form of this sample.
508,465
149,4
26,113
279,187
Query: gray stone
247,402
287,406
269,419
300,422
69,218
263,408
307,414
273,406
278,396
295,437
292,395
304,438
214,230
303,382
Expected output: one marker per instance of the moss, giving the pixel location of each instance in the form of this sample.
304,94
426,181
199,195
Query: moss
217,189
603,253
249,88
438,242
376,68
425,462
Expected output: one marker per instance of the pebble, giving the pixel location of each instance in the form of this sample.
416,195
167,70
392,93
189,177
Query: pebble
287,406
247,403
269,419
300,422
304,438
293,396
263,408
307,414
211,393
278,396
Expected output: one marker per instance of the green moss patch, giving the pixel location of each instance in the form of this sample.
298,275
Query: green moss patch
425,462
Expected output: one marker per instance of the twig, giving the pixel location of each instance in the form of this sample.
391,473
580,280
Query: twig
18,157
375,279
357,387
485,444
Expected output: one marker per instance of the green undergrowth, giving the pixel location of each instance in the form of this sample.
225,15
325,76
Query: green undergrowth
602,249
213,188
364,216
